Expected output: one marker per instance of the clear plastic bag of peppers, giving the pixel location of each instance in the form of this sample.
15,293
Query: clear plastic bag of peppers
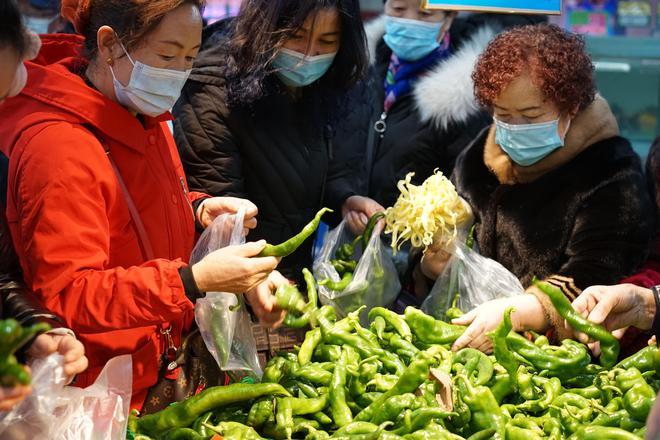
399,379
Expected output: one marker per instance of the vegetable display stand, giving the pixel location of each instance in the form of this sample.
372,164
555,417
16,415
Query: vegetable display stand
398,379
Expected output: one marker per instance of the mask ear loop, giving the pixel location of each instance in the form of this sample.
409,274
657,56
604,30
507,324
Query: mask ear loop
111,62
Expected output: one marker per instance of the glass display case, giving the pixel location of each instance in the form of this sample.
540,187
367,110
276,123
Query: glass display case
628,76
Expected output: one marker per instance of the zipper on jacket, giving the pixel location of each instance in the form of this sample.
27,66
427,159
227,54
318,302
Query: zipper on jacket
185,195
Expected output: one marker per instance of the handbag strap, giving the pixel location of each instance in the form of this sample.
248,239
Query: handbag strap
143,238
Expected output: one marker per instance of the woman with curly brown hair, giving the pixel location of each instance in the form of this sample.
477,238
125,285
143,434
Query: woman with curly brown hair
556,192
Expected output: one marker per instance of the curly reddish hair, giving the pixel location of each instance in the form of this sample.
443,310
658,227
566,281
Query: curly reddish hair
556,59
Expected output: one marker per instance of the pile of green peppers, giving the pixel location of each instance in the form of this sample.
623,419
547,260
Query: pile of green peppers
386,381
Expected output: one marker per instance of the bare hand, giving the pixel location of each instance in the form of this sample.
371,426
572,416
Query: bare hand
234,269
357,211
70,348
10,397
616,308
263,302
527,315
214,207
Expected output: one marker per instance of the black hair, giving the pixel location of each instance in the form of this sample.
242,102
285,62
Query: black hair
12,32
263,26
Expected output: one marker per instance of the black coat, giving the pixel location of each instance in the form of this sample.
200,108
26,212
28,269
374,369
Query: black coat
591,219
430,126
275,152
15,300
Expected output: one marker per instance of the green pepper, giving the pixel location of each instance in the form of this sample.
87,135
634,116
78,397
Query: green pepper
569,359
260,413
551,388
312,340
12,337
486,434
182,434
288,297
366,399
518,433
475,362
411,378
288,247
339,409
235,431
199,427
369,229
338,286
394,406
185,413
601,432
638,395
643,360
454,312
274,370
486,413
284,416
327,353
420,418
428,330
609,345
394,320
501,348
501,386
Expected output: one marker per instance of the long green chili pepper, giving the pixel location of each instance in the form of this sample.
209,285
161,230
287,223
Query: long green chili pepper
643,360
199,427
288,297
182,434
609,345
501,348
392,319
233,430
339,410
600,433
638,395
288,247
479,364
454,312
260,412
312,340
421,417
338,286
486,413
428,330
369,229
411,378
185,413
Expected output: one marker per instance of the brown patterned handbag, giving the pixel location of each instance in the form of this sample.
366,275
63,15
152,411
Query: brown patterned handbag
184,373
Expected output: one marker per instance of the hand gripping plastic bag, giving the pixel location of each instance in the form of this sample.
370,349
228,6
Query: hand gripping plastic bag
474,278
221,317
55,411
375,281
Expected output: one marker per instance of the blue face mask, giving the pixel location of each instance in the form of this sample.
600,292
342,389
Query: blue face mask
527,144
411,40
297,70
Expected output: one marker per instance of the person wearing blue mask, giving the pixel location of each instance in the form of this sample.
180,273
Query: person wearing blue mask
424,109
264,112
556,192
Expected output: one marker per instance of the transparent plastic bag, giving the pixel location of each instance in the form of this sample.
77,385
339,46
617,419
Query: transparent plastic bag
375,280
475,278
222,319
59,412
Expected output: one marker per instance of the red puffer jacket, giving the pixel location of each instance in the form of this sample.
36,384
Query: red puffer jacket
70,221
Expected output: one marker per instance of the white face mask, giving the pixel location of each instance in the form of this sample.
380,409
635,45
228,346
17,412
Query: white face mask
150,91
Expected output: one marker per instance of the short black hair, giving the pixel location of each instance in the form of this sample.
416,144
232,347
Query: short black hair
12,32
250,52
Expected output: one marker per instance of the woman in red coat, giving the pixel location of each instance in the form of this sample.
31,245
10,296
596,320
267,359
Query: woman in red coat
98,206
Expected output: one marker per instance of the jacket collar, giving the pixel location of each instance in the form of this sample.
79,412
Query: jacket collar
593,124
445,95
